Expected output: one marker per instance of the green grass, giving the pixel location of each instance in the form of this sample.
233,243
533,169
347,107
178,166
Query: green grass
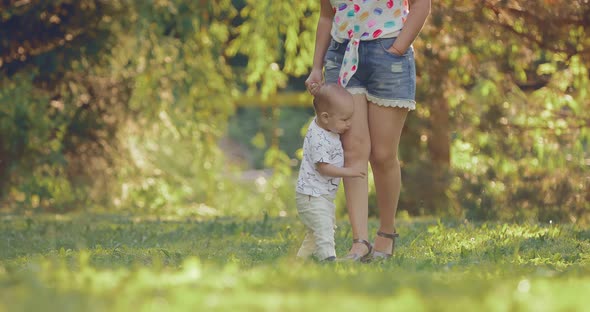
116,263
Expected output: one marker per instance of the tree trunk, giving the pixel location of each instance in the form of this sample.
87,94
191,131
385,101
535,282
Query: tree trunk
439,142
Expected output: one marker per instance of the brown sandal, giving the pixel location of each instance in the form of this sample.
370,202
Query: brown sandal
379,255
356,257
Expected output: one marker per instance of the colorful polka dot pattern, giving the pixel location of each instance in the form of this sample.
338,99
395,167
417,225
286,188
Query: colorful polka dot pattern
364,20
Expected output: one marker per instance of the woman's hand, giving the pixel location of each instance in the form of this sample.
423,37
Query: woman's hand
314,81
394,50
419,11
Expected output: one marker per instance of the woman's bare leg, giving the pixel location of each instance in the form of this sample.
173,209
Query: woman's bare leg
385,127
357,145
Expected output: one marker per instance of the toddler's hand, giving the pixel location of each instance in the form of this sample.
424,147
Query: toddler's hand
357,173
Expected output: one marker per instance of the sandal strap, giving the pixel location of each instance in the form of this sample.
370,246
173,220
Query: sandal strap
366,243
387,235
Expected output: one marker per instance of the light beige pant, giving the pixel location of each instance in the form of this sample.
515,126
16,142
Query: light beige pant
318,215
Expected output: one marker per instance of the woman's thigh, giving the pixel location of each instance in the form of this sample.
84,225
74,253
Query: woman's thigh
356,140
385,128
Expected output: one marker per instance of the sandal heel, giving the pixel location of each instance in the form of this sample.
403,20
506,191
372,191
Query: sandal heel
362,258
377,255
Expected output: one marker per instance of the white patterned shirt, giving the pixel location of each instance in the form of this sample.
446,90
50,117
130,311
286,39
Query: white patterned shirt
357,20
323,146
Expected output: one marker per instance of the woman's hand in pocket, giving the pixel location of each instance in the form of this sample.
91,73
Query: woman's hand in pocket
394,50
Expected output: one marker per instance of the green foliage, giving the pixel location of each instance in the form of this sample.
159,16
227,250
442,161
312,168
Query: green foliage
57,117
257,128
49,143
274,52
166,70
518,131
122,105
49,35
119,263
176,165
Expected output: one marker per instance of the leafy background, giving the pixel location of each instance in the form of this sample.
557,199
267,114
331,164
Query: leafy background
197,108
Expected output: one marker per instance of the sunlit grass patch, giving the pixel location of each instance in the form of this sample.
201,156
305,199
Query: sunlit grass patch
115,263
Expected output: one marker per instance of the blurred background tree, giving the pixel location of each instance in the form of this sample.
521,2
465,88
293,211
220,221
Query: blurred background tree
58,118
507,120
130,105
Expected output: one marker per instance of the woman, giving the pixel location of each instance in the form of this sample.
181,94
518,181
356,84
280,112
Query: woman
366,46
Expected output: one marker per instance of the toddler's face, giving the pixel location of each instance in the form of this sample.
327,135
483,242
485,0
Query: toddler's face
339,119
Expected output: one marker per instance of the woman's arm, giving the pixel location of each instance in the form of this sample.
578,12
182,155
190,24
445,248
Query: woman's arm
322,41
419,11
322,38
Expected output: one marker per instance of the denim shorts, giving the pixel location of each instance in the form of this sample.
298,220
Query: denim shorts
385,78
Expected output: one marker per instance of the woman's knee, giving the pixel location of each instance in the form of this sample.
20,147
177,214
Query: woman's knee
383,159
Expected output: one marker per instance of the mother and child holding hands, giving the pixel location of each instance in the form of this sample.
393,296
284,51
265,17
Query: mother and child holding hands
363,81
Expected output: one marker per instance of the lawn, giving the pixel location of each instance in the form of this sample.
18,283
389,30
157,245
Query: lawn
123,263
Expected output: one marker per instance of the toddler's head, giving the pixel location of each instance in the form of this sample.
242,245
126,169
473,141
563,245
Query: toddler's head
333,107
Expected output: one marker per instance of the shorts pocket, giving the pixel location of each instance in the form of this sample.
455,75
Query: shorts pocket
334,45
386,44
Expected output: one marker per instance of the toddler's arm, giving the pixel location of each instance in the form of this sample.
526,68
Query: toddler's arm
333,171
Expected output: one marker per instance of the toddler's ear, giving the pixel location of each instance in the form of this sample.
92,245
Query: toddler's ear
324,117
